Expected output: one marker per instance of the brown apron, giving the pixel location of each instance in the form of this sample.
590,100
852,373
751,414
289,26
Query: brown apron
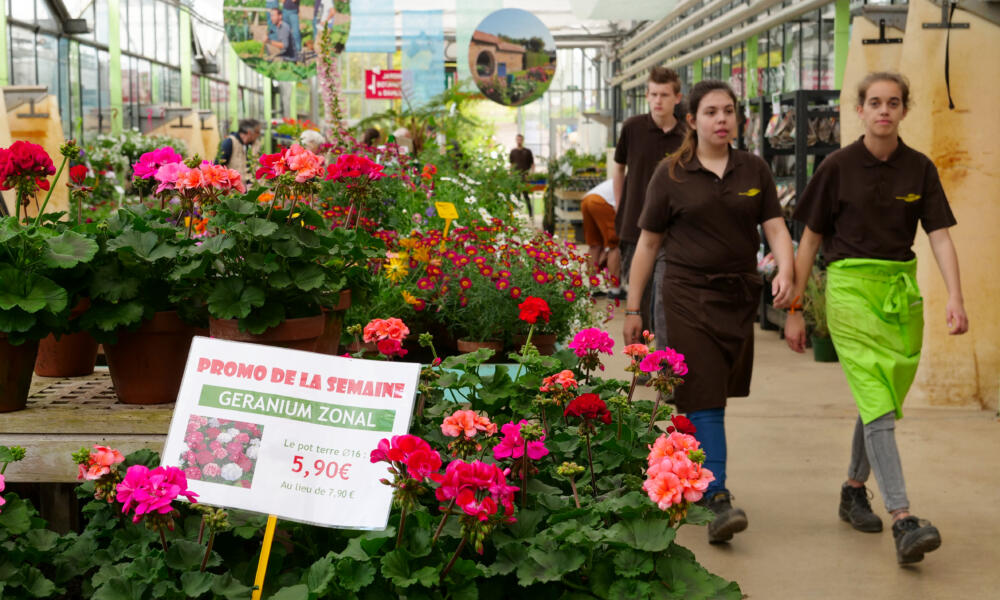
709,318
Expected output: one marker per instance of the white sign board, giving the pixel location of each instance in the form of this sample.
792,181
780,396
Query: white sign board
287,432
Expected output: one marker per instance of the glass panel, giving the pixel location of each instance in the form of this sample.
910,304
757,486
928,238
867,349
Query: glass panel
103,86
174,36
145,82
163,32
101,21
22,53
88,87
149,41
134,24
44,16
48,62
22,10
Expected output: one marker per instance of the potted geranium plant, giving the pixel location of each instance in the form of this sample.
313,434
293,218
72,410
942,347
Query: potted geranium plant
32,302
270,262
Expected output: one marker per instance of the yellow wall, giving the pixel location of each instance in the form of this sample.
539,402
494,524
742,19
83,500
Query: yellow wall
210,137
861,60
964,143
47,133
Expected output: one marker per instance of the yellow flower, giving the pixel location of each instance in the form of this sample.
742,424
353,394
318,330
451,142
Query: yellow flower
422,253
408,297
396,269
409,243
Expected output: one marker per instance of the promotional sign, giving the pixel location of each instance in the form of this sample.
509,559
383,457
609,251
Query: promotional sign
287,432
383,84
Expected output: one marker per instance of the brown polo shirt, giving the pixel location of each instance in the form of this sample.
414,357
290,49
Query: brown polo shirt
866,208
522,159
642,145
711,222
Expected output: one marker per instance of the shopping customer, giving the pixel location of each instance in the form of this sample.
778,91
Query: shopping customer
703,205
645,141
290,14
523,161
234,149
284,39
598,210
863,205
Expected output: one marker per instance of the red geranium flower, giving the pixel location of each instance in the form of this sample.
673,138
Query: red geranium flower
532,308
77,173
681,424
588,407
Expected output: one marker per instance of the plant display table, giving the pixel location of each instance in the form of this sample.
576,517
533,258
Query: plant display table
64,414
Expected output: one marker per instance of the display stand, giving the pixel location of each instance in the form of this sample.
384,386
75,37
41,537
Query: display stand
807,104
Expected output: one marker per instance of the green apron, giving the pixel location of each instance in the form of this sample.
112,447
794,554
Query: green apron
876,318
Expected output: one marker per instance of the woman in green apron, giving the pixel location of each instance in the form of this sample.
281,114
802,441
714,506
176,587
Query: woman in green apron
863,205
704,204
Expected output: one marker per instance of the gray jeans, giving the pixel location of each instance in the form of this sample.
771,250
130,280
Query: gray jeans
653,317
874,449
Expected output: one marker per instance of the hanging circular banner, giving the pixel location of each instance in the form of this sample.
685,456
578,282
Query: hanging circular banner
280,38
512,57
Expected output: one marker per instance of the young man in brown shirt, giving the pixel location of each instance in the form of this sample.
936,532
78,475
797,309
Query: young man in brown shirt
645,140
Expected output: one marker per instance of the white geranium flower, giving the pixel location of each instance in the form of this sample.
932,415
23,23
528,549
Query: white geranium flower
252,451
231,472
224,437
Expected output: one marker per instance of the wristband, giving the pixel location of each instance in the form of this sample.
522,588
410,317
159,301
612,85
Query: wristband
795,306
630,313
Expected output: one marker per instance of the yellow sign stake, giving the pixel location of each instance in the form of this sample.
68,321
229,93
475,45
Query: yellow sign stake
265,553
446,210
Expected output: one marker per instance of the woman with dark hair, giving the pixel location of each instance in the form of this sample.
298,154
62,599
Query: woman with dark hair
704,204
863,205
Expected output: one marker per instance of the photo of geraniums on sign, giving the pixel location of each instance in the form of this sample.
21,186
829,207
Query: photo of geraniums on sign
221,450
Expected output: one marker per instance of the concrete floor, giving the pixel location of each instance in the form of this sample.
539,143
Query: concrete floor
789,445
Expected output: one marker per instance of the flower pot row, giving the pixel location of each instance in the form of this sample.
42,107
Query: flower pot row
146,365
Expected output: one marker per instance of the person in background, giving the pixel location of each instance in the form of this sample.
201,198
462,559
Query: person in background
370,137
312,141
522,160
283,40
598,208
644,142
863,205
234,149
290,14
703,206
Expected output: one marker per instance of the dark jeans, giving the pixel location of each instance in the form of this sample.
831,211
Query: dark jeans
653,316
711,433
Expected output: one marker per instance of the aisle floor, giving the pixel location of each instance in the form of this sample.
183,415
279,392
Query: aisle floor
789,444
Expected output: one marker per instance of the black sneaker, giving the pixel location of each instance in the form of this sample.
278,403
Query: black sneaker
621,294
914,538
856,510
728,520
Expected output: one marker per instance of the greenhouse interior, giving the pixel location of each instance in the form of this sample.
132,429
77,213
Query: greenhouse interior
285,285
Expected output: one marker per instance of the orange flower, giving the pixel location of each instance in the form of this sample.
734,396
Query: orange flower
467,423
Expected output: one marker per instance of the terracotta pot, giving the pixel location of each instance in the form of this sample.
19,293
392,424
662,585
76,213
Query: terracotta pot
470,346
72,355
545,342
329,340
16,365
146,365
297,334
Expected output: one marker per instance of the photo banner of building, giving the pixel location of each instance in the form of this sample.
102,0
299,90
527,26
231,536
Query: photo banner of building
423,55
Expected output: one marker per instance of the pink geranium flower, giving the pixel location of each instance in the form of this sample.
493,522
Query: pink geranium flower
2,486
654,361
150,162
168,175
512,444
152,491
467,423
673,476
592,340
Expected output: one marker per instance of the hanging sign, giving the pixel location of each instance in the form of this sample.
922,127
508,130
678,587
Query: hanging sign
383,84
287,432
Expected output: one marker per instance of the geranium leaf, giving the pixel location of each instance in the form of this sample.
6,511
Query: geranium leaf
651,535
287,248
108,317
68,249
427,576
527,522
508,559
110,284
629,589
215,244
295,592
353,575
32,294
121,589
396,568
319,575
15,518
258,228
542,566
309,277
15,320
42,540
680,571
698,515
228,587
196,583
630,563
36,584
184,555
266,317
233,299
280,280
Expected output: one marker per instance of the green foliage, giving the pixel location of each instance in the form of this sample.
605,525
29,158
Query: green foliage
814,305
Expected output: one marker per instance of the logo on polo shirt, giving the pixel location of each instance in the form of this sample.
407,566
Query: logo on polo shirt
751,192
909,197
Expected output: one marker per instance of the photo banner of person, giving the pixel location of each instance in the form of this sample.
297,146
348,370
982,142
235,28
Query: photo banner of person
512,56
467,16
372,26
280,40
423,55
